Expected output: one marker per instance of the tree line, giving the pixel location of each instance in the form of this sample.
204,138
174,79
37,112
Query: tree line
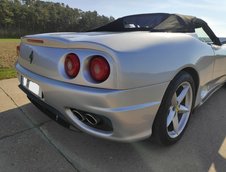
22,17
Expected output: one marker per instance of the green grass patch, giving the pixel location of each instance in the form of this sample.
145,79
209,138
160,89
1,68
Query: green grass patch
6,73
9,40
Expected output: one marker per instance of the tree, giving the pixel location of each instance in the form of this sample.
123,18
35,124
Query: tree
21,17
6,17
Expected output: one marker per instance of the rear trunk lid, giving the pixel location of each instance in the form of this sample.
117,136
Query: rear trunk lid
44,55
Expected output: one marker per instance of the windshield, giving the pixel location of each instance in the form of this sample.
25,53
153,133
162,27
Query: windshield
144,21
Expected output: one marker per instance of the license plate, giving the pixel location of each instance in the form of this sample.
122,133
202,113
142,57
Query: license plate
31,86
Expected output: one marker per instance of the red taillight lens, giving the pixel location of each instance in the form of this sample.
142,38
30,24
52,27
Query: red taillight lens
72,65
99,68
17,50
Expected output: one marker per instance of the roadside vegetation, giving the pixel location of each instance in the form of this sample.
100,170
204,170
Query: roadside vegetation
6,73
23,17
8,58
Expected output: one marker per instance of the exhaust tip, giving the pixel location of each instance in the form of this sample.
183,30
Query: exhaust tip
79,115
99,122
92,119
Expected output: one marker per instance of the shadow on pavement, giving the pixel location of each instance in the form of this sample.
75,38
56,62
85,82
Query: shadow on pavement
202,148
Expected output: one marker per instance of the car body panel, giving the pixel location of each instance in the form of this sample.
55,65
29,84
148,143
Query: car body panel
142,65
129,75
131,111
220,59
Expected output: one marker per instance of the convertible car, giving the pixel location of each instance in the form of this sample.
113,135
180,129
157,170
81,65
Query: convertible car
136,77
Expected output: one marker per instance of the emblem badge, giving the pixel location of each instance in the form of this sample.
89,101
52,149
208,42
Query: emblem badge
31,57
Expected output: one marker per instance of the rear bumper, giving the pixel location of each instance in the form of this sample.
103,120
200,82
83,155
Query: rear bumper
131,112
47,109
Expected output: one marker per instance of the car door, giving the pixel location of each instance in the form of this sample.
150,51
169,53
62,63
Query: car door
219,57
220,61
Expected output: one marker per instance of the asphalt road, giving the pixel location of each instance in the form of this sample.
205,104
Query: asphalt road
30,141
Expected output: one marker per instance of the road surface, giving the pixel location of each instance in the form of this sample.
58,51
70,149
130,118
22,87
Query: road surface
30,141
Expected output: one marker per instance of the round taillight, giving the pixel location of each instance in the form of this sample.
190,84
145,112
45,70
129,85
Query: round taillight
99,68
72,65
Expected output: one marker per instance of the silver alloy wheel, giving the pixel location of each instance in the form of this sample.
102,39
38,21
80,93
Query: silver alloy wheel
179,110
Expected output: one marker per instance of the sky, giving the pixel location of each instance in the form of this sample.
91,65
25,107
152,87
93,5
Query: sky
212,11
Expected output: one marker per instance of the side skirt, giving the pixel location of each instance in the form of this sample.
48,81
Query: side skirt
208,95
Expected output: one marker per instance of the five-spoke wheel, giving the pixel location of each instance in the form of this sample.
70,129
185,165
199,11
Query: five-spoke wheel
179,110
175,109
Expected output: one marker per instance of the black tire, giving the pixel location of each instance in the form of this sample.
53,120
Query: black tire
160,124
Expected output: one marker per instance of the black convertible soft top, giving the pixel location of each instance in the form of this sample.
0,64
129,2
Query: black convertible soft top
159,22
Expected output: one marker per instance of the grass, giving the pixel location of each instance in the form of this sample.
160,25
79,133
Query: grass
9,40
8,57
6,73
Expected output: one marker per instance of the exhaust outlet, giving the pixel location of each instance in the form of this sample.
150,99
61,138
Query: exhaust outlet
79,115
92,119
99,122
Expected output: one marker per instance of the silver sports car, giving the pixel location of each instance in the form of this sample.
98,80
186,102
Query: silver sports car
138,76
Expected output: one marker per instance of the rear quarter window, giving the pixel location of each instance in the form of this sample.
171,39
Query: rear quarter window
202,36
